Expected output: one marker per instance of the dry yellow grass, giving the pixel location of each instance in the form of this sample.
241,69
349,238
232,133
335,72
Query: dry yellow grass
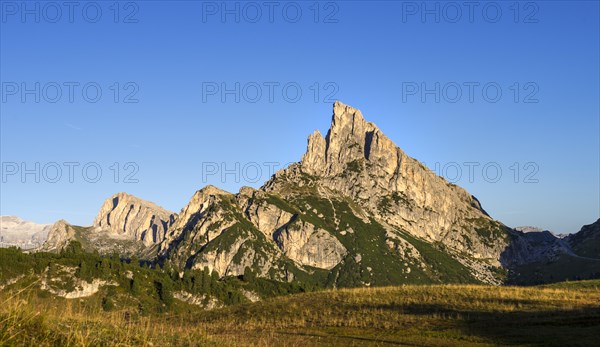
443,315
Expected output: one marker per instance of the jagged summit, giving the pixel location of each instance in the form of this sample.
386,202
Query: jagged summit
349,138
347,115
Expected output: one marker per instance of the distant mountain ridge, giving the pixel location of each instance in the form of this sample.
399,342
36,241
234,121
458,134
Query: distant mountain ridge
529,229
355,211
125,224
573,257
23,234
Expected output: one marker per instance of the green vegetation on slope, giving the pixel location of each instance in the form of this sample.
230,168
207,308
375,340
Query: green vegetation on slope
370,261
141,286
444,268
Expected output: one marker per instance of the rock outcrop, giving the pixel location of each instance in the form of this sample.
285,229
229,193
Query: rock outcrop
66,284
309,245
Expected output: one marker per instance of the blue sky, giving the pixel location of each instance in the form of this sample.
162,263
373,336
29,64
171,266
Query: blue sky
176,58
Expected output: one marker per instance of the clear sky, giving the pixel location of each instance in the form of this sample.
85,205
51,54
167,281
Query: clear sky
516,83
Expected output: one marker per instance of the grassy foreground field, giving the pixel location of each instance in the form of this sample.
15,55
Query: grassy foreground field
564,314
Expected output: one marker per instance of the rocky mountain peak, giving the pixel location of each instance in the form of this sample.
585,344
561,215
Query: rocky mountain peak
200,201
125,198
61,222
210,190
350,141
357,160
347,120
134,218
59,235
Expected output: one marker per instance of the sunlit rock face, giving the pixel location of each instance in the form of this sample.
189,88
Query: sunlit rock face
130,217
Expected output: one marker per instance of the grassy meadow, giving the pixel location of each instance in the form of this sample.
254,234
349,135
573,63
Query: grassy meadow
563,314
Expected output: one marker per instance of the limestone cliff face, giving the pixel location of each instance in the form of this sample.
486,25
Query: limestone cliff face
266,217
196,208
308,245
129,217
228,233
199,222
